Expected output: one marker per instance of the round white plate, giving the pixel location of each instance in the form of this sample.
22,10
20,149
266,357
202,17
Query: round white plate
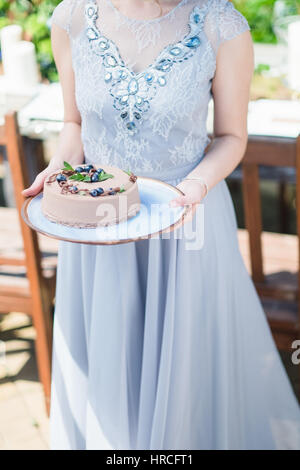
154,218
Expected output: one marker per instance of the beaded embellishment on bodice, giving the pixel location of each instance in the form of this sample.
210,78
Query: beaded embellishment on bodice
132,92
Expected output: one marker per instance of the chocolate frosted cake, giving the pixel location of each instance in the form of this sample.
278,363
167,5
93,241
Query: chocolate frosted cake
89,196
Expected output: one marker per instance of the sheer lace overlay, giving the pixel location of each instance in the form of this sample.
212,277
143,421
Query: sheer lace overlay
143,86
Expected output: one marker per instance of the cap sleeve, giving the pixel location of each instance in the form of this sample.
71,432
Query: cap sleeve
231,22
62,14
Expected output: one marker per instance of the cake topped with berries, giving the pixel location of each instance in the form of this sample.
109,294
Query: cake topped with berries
90,195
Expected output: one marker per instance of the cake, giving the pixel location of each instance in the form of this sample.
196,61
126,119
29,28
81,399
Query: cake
89,196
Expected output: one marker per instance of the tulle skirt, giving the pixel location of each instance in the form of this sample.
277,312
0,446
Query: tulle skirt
160,345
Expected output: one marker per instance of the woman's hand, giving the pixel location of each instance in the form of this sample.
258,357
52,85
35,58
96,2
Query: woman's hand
194,192
38,183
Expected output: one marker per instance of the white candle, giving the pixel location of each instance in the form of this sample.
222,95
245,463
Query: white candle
22,65
294,55
10,35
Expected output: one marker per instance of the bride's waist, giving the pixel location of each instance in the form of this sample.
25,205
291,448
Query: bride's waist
158,169
172,172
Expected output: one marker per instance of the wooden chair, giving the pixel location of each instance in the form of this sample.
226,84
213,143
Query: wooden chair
279,291
35,300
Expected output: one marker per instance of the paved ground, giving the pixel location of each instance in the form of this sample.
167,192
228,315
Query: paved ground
23,419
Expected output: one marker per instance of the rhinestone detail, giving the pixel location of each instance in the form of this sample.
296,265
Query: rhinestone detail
132,92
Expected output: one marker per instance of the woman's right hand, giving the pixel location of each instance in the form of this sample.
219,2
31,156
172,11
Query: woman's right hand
38,183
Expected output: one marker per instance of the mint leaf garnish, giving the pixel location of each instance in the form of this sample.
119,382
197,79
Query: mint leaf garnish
77,177
104,176
68,167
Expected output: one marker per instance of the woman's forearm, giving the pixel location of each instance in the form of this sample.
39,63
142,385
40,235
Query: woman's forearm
69,146
223,156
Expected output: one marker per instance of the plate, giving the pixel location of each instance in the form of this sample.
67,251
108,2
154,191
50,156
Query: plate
154,218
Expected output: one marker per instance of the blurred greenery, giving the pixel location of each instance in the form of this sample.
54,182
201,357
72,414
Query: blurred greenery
261,14
34,16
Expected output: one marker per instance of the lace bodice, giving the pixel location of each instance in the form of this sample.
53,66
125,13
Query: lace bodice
143,86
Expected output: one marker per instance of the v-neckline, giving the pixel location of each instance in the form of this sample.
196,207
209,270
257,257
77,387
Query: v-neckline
133,91
137,74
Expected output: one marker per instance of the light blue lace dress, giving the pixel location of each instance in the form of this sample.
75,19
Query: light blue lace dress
157,346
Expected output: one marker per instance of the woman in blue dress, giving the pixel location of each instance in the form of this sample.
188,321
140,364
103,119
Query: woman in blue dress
161,344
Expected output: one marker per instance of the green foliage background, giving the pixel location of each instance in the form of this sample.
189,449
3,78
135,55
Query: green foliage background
260,15
34,16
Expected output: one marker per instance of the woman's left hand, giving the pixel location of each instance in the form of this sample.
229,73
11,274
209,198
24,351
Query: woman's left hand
193,193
